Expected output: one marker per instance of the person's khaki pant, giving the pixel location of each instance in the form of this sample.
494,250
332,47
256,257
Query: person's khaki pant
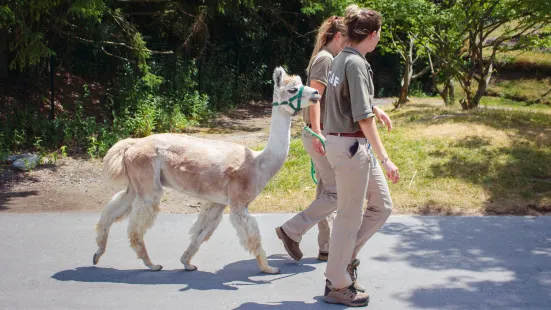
322,210
358,177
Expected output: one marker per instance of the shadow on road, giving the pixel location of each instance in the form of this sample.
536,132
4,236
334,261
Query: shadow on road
319,304
231,277
512,255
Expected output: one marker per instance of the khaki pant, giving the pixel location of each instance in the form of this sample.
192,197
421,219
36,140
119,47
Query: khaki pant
322,210
358,176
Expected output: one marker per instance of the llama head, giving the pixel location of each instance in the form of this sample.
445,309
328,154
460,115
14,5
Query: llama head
290,94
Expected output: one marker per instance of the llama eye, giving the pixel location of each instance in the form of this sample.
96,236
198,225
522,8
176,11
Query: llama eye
293,90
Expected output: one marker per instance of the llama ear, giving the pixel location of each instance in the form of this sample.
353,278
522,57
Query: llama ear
279,76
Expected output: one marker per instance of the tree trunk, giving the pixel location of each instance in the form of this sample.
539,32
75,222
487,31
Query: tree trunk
451,92
407,56
52,87
4,52
406,81
484,82
481,91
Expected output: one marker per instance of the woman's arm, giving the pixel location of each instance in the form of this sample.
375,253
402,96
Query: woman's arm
382,117
370,131
315,109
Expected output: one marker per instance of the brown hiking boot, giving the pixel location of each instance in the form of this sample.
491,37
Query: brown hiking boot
323,256
290,245
352,269
347,296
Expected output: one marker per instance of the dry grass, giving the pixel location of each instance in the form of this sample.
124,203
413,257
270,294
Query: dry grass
477,162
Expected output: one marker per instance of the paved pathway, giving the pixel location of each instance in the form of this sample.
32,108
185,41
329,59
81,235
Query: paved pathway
413,263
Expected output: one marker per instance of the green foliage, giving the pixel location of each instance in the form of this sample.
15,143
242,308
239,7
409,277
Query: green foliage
466,41
135,68
88,9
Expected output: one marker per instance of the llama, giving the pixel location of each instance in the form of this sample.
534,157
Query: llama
220,173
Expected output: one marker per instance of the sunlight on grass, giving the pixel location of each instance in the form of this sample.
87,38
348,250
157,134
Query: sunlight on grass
451,162
521,94
507,103
292,188
532,90
524,57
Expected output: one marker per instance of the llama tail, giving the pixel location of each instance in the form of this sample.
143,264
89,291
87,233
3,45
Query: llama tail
114,169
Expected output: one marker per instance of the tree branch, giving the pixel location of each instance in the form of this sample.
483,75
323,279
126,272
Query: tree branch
397,49
124,45
119,57
418,75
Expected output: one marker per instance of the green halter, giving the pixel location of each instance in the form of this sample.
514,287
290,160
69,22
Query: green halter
290,102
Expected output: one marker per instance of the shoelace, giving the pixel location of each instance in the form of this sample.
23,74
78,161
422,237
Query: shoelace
353,271
350,291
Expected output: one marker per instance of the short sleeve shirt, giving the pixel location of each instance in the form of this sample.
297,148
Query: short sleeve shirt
349,92
318,72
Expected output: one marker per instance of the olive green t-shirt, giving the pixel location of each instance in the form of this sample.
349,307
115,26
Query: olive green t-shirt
349,92
318,72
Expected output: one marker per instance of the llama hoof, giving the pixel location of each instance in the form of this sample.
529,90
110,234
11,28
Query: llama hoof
190,267
95,260
155,267
271,270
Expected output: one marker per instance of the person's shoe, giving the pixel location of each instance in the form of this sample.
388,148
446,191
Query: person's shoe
323,256
347,296
291,246
353,272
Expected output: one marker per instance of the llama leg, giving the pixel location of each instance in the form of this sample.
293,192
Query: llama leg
142,217
207,221
249,237
117,209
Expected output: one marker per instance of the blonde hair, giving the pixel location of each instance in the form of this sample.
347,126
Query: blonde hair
326,33
361,22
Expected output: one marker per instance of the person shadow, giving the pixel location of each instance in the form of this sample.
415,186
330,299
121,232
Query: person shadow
318,304
230,277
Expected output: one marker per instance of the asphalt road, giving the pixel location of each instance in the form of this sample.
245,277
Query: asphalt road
412,263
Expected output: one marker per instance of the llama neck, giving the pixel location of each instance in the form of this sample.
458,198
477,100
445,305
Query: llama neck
273,156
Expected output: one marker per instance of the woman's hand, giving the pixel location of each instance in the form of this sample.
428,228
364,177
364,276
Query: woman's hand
383,117
391,171
318,146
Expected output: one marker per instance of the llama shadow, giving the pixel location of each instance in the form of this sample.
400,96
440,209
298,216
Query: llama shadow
231,277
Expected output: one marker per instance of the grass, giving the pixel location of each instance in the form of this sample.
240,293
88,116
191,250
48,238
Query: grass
530,90
486,161
525,93
533,59
499,102
292,189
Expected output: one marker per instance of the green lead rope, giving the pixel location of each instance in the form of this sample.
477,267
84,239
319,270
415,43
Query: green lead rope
312,169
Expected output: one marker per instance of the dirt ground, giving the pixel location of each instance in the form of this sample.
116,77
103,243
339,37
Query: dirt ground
75,183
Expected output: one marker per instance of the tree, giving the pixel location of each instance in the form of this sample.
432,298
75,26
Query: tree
468,35
403,21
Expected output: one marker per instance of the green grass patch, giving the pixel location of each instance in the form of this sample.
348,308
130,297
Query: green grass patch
292,188
527,94
512,104
533,59
452,162
529,90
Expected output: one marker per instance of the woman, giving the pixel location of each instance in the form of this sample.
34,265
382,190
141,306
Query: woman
352,138
331,40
